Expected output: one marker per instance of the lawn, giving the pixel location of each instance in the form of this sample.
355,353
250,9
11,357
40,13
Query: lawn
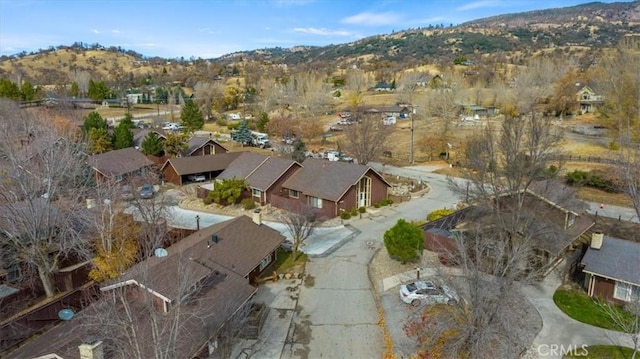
577,305
285,263
603,352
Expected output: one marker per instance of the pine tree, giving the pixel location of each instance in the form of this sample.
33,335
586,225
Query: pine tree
152,145
244,134
191,116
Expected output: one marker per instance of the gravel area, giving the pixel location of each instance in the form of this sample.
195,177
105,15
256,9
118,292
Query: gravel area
382,266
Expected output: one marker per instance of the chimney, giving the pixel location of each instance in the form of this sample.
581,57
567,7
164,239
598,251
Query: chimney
91,351
596,240
257,217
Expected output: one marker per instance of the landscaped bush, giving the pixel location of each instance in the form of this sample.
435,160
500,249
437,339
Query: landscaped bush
345,215
404,242
233,126
591,179
354,212
362,209
248,204
222,122
439,213
376,205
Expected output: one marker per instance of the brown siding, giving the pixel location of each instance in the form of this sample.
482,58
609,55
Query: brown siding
348,200
604,288
219,149
171,176
378,188
276,188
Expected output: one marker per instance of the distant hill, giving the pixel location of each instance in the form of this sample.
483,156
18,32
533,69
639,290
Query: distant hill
508,38
593,25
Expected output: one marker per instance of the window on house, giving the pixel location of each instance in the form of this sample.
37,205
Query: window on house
316,202
118,178
265,262
13,273
256,192
626,292
571,219
294,194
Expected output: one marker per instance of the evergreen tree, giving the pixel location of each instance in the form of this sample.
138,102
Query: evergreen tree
299,151
75,89
99,140
94,120
152,145
243,134
175,143
28,92
123,136
98,91
9,90
191,116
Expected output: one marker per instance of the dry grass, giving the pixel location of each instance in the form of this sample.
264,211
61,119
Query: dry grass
598,196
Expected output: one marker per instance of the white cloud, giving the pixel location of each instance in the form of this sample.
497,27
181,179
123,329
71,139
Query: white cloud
115,31
207,30
95,31
321,32
480,4
371,19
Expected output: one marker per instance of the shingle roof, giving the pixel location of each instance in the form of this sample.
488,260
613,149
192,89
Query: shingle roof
119,162
201,164
616,259
269,171
243,166
197,142
326,179
241,245
140,134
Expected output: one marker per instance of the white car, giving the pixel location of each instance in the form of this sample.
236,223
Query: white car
197,178
426,292
172,127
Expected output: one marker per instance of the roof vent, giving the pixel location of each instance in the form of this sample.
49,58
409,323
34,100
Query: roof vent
213,240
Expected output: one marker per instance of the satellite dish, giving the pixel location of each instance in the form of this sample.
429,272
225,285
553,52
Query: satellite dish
66,314
160,252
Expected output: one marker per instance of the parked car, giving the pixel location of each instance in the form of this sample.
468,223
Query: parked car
287,246
147,191
197,178
172,127
426,292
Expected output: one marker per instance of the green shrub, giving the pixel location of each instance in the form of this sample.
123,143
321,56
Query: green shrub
227,191
439,213
577,178
345,215
248,204
614,146
362,209
404,242
376,205
354,212
233,126
207,200
222,122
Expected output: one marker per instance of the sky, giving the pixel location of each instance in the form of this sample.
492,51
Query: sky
209,29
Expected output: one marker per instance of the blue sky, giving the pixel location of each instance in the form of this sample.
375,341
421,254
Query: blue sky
213,28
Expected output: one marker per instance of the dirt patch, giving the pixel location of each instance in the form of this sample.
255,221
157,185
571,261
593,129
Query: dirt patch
309,281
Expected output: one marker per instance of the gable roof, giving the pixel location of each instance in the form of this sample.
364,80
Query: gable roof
328,180
243,166
198,142
140,134
119,162
269,171
617,259
239,247
201,164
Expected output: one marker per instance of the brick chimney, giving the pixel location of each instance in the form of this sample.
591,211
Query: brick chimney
257,216
91,351
596,240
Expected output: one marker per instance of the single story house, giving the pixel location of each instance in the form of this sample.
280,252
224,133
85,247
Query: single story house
383,86
388,111
612,268
203,146
559,221
264,175
330,187
119,165
206,277
178,170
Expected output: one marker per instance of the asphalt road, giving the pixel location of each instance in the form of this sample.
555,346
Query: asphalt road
337,311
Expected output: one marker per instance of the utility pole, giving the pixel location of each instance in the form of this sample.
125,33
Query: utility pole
411,141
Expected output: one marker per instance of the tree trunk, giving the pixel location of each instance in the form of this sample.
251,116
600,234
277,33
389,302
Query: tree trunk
47,282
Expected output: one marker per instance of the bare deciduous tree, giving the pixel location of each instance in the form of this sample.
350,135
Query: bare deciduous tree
627,319
365,140
301,222
43,190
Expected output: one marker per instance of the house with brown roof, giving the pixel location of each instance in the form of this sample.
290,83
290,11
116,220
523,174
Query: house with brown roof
551,216
120,165
330,187
203,146
206,278
588,98
178,170
264,175
612,268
